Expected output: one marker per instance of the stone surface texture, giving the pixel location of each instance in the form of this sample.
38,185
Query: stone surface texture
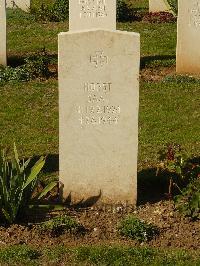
89,14
2,33
98,109
188,40
22,4
157,6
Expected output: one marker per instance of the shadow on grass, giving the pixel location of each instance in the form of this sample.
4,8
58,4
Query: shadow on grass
164,60
19,60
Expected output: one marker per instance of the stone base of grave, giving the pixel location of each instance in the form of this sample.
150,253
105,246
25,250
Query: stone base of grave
3,57
98,108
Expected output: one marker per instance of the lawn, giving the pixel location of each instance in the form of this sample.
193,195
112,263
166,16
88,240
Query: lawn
169,113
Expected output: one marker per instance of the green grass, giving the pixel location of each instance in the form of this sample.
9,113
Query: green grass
168,114
97,255
158,41
19,255
29,115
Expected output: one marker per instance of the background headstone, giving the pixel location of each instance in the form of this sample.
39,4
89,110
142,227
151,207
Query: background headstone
98,108
188,45
88,14
158,6
22,4
2,33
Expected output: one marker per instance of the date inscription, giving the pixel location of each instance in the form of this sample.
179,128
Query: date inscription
97,109
93,8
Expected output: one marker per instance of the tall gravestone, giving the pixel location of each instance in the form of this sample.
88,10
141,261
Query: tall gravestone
158,6
98,109
22,4
2,33
188,44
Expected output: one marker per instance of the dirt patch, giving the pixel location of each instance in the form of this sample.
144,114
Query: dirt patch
101,228
155,74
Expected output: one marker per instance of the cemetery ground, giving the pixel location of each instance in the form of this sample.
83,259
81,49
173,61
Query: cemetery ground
169,113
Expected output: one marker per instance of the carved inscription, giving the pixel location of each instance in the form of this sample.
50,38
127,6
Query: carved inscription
92,8
97,109
195,15
99,59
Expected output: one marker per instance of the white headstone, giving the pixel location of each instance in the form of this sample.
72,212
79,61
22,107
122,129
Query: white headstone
88,14
158,6
22,4
2,33
188,45
98,108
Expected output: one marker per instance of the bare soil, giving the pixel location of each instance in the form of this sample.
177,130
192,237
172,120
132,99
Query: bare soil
100,227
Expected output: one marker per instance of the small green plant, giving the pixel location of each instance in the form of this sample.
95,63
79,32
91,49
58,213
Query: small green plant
137,229
57,225
9,74
36,66
188,202
17,184
175,163
184,176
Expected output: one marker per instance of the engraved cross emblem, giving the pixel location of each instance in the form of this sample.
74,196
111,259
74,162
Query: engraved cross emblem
99,59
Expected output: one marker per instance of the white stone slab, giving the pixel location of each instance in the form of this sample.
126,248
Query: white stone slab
2,33
158,6
89,14
22,4
188,45
98,108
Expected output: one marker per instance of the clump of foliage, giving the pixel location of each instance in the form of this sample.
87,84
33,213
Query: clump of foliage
123,11
19,253
55,11
57,225
188,202
136,229
127,12
10,73
159,17
184,177
17,185
35,66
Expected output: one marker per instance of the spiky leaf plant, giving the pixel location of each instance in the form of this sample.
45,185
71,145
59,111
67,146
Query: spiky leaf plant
17,184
